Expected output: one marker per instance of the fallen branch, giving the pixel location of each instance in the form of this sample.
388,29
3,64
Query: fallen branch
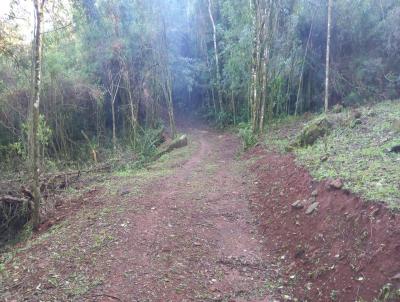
108,296
175,144
12,199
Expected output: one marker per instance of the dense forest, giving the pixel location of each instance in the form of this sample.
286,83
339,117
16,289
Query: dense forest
114,70
122,172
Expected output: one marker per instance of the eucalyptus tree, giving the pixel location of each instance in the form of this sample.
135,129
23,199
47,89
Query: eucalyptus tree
216,55
328,53
265,21
34,144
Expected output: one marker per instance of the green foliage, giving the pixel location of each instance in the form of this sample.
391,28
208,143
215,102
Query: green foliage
314,130
9,151
353,99
13,218
247,135
12,156
387,293
147,39
220,120
236,34
147,142
44,131
223,119
359,155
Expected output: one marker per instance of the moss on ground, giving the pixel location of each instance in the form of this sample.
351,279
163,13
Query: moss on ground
313,131
281,133
356,153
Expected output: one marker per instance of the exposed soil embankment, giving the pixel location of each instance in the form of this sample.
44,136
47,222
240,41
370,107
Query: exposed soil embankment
344,250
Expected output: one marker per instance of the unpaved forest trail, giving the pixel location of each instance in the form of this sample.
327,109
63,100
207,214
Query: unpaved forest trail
204,223
186,235
198,240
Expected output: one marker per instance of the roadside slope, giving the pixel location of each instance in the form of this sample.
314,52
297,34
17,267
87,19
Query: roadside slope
345,249
356,150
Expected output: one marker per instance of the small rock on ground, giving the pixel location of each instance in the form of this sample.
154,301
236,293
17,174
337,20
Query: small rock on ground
335,184
312,208
396,277
298,204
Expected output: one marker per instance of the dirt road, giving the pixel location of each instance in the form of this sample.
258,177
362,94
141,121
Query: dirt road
180,231
205,224
197,240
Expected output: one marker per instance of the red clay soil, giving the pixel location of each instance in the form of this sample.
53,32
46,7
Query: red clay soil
188,235
198,241
346,250
211,229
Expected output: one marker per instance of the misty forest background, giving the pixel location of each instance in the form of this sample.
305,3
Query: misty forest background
115,72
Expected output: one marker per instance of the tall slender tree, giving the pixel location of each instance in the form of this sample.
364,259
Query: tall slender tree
217,66
113,87
263,32
34,144
328,53
167,84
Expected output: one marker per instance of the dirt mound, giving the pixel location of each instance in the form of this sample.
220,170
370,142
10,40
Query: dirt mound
342,249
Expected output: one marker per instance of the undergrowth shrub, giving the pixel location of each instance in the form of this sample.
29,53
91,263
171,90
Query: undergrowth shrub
12,156
247,135
13,216
220,120
147,142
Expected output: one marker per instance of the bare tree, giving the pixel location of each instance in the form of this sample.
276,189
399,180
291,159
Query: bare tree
328,51
114,81
34,144
133,102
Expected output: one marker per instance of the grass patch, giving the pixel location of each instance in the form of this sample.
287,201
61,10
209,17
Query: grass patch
358,154
281,132
78,284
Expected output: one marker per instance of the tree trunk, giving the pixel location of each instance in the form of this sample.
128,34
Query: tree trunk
167,80
254,79
113,87
34,144
302,69
328,51
114,135
133,108
264,90
170,106
212,87
134,118
262,24
233,107
218,72
133,102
